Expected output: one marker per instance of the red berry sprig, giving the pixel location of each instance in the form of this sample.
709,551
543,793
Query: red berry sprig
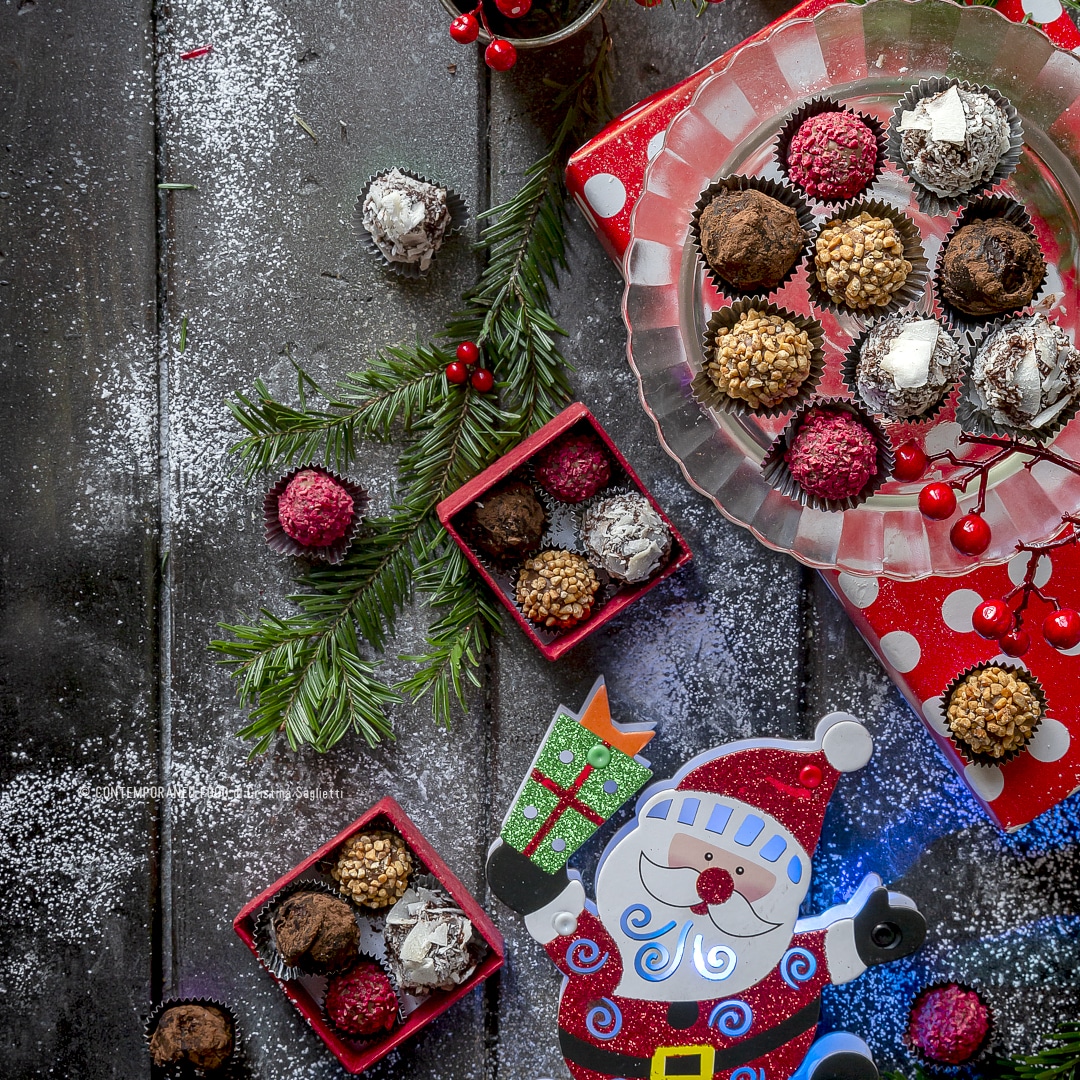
937,501
468,352
457,371
482,381
910,462
500,54
970,535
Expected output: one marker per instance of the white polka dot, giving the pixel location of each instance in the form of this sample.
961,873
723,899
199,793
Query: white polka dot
943,437
861,591
901,650
1050,742
655,143
1074,651
1018,565
606,194
986,781
931,709
958,608
1043,11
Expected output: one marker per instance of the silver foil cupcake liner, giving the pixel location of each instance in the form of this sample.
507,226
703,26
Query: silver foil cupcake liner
231,1069
972,1066
984,208
971,419
914,287
814,107
707,393
941,205
774,467
782,193
850,367
378,1036
283,544
961,747
459,216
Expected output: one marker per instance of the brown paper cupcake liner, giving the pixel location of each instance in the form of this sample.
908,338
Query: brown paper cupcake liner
283,544
707,393
814,107
782,193
849,375
459,216
941,205
913,289
962,748
973,1066
986,207
973,420
378,1036
232,1069
776,472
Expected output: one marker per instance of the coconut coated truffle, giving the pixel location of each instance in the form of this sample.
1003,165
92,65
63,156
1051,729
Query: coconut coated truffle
407,218
833,455
314,509
832,156
626,537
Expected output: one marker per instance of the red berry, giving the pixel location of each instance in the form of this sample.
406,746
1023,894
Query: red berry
468,353
910,462
992,619
456,372
464,29
1015,643
500,55
970,535
513,9
937,501
1061,628
649,3
482,380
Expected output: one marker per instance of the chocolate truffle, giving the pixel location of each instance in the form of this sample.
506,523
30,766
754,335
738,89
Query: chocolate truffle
993,712
314,509
951,142
832,156
373,868
573,469
833,455
859,261
362,1000
625,536
906,364
198,1035
990,267
750,239
430,942
948,1024
407,218
507,521
1025,374
316,932
761,359
556,589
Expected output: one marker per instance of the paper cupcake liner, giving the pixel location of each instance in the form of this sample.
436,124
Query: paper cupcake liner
776,472
814,107
782,193
962,748
984,208
378,1036
972,420
232,1069
459,216
707,393
849,375
910,293
979,1059
283,544
941,205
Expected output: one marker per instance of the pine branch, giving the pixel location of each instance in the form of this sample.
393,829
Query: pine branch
1059,1060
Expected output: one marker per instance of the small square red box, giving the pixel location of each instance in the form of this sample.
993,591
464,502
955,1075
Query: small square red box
384,814
450,509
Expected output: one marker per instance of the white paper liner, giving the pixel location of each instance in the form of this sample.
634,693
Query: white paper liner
280,541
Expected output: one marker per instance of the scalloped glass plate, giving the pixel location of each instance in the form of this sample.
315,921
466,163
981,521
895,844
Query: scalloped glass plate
867,56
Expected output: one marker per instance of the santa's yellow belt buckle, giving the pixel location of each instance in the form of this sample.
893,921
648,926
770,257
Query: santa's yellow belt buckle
683,1063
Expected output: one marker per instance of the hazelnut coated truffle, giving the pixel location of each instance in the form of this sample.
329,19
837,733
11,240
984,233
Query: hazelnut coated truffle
316,932
556,589
314,509
507,521
832,156
833,454
373,868
198,1035
859,261
990,267
993,712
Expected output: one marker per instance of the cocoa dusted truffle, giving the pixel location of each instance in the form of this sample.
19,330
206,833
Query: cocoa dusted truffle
573,469
906,364
198,1035
362,1000
406,218
948,1024
859,261
625,536
556,589
507,521
373,868
993,712
833,455
990,267
316,932
750,239
832,156
314,509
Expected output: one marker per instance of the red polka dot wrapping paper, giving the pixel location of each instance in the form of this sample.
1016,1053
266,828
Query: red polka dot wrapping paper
921,631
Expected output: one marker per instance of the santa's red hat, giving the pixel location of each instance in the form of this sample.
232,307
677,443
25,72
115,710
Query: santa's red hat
790,781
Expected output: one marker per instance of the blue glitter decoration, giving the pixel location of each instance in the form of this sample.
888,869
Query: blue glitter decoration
584,957
604,1021
732,1017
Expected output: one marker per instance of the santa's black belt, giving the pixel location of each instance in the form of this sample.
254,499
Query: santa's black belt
611,1063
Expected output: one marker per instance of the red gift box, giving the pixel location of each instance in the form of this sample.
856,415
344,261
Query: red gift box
449,509
385,814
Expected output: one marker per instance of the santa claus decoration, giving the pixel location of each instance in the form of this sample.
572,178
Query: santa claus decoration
693,961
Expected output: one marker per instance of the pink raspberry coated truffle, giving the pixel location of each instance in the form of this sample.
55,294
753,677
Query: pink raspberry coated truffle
573,469
833,155
833,455
314,509
948,1023
362,1001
